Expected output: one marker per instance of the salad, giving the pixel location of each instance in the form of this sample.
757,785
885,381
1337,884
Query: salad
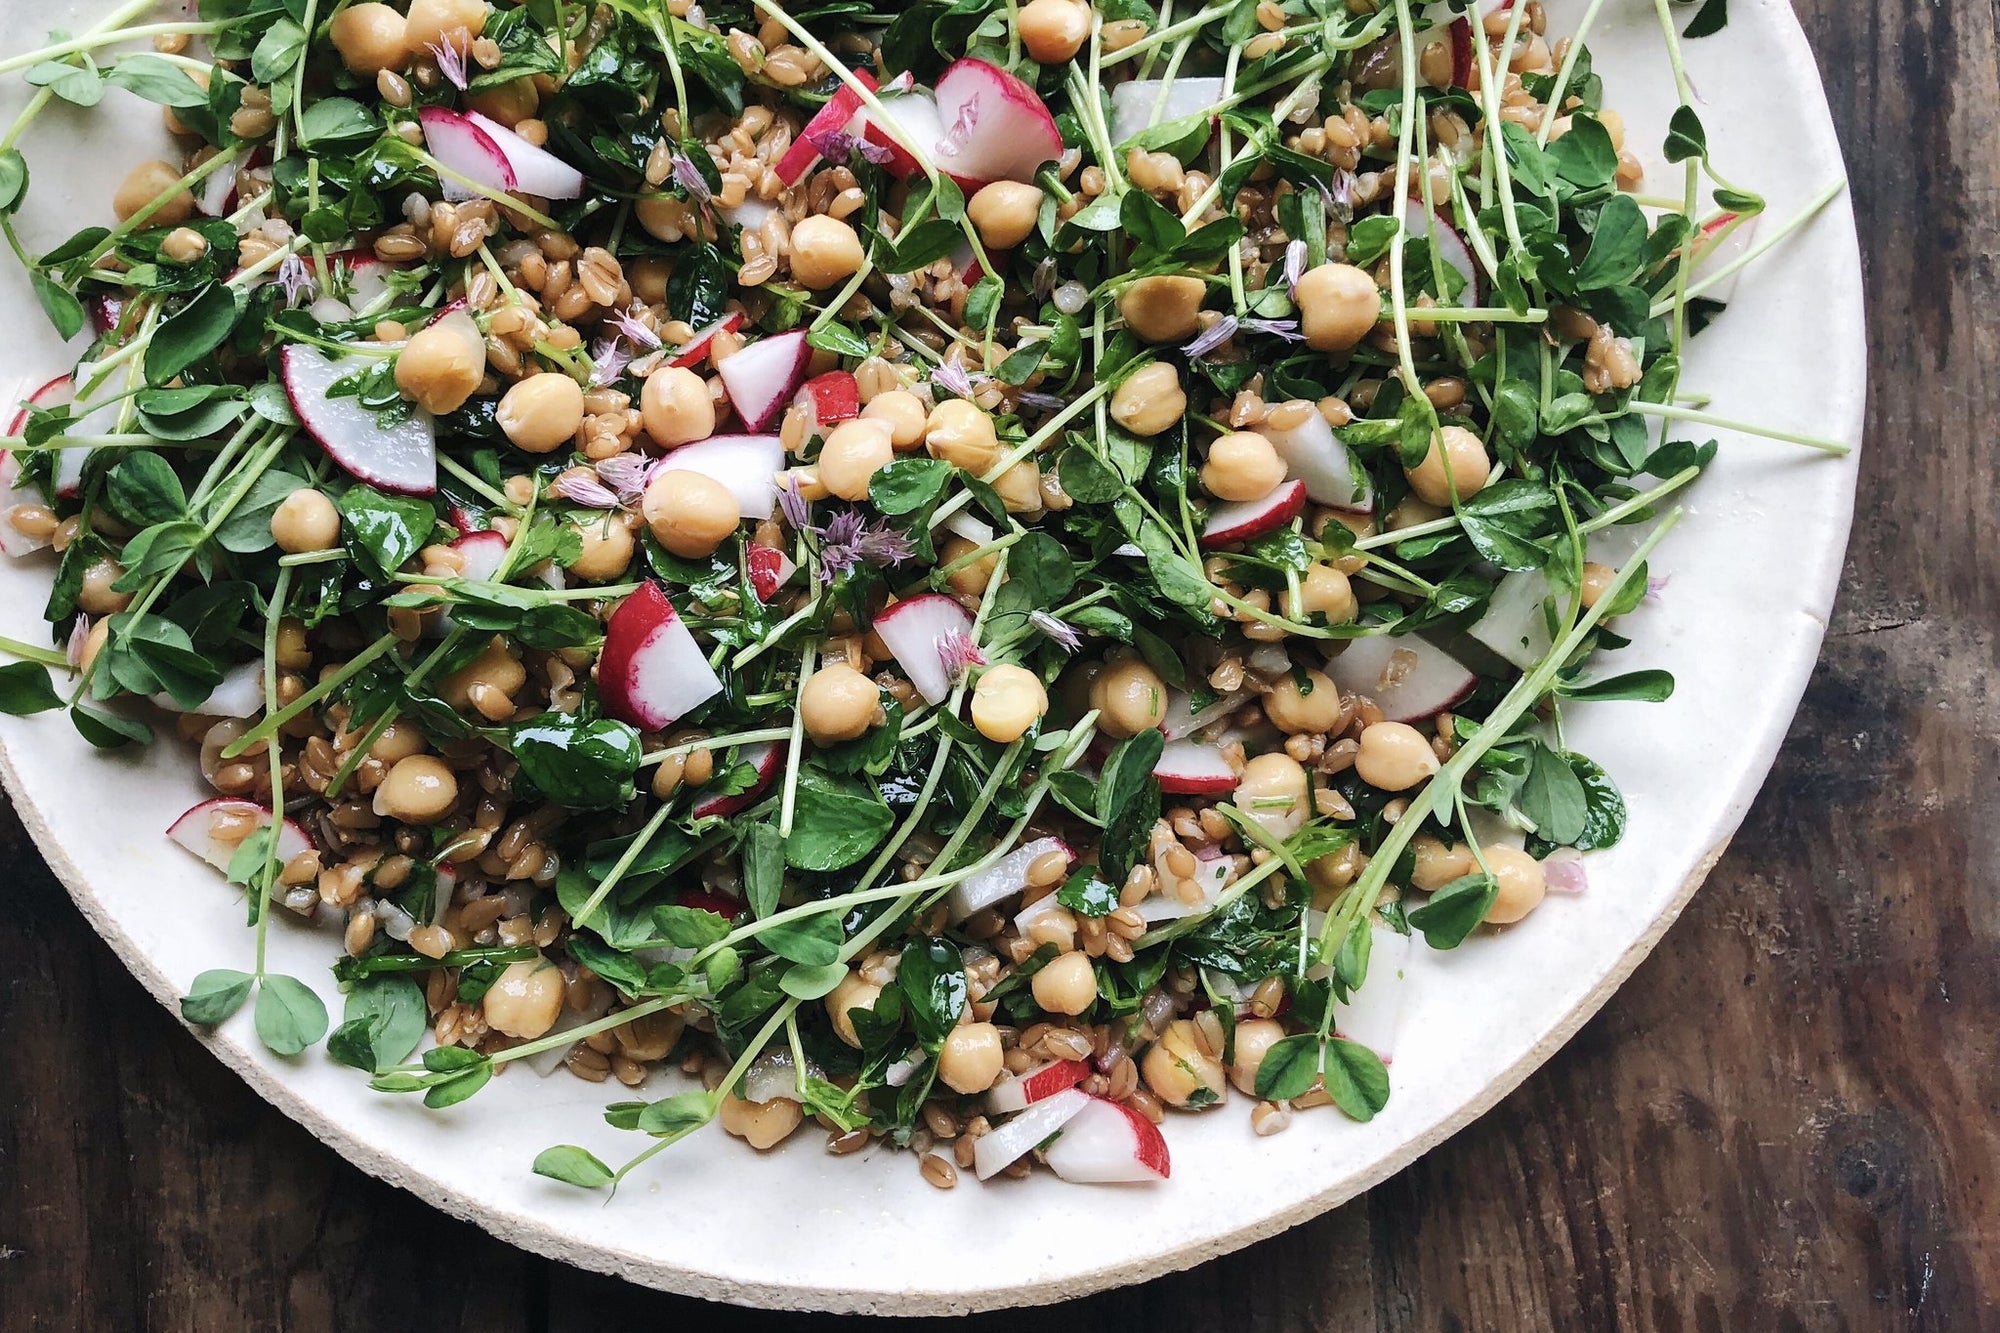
971,573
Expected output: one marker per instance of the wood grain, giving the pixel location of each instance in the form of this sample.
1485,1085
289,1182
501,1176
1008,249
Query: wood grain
1787,1120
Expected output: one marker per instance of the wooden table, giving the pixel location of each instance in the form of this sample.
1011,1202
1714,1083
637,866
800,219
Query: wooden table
1786,1120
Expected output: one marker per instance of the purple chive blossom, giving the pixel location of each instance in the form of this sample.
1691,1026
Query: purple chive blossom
847,542
450,59
625,474
1657,584
1061,635
1563,869
1288,329
628,323
608,360
1295,265
833,144
689,178
881,547
79,634
1045,279
792,500
1212,337
952,376
586,491
295,280
959,655
1342,191
878,153
961,130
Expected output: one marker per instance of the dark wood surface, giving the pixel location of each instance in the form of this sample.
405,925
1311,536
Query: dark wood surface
1789,1119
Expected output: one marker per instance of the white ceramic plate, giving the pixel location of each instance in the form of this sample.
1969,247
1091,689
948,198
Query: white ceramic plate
1753,571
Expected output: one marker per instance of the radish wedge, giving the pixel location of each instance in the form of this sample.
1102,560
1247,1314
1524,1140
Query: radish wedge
766,759
697,346
1011,1140
196,830
918,631
1242,520
1719,247
837,114
1189,768
915,114
536,170
772,1075
652,673
829,399
1016,1092
1136,105
466,149
483,553
240,693
1424,224
1408,678
400,458
762,377
1003,879
1371,1015
1314,454
994,126
1109,1144
746,465
1209,877
1515,624
61,392
770,569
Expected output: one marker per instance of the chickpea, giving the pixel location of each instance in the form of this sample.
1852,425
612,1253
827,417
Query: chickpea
1522,882
1338,305
1456,461
541,413
1394,756
399,740
853,453
1254,1039
370,39
149,181
496,667
1325,590
97,596
676,407
1066,985
1150,400
417,790
968,580
1242,466
1020,488
904,412
1597,580
93,644
962,434
1131,696
1180,1073
432,21
607,550
762,1125
838,704
1007,700
853,993
825,251
1315,708
690,514
1053,30
1005,213
971,1058
1274,792
441,365
525,1000
1163,308
1434,865
305,521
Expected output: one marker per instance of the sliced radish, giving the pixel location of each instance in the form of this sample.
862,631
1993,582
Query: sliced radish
994,126
400,458
751,214
918,631
697,346
464,147
61,392
1241,520
746,465
1424,224
915,114
962,524
828,399
1371,1015
1189,768
835,116
701,900
240,693
652,673
1408,678
1516,625
367,276
197,827
483,553
1016,1092
1003,879
762,377
772,1075
1108,1143
1314,454
536,170
770,569
1210,876
1136,105
1718,248
766,759
1181,721
1013,1139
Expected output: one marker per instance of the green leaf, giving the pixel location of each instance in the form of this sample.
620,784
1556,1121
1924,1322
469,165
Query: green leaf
290,1017
1355,1078
1148,223
214,996
690,927
194,331
1584,157
1087,895
1604,825
1454,910
456,1089
1128,802
1686,137
804,982
335,122
573,1166
13,179
908,484
923,244
383,531
143,490
1552,797
1637,686
836,822
763,855
1371,238
73,83
1505,520
1616,247
108,731
65,312
672,1117
247,530
931,978
157,81
1289,1067
584,765
278,52
813,940
25,688
1710,19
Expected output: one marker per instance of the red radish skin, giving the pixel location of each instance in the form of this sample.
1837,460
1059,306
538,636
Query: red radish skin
697,346
915,630
1243,520
1016,1092
483,553
835,115
105,312
1427,224
401,458
192,830
766,759
763,377
701,900
1189,768
829,399
535,169
1107,1143
994,126
1012,1139
59,392
746,465
652,673
1406,688
770,568
464,148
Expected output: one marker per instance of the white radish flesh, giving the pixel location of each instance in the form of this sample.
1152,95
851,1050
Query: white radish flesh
763,377
465,150
400,458
1109,1144
1189,768
652,673
1408,678
1002,879
1011,1140
1314,455
1136,105
1516,622
1240,521
917,632
747,466
1017,1092
994,126
195,830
